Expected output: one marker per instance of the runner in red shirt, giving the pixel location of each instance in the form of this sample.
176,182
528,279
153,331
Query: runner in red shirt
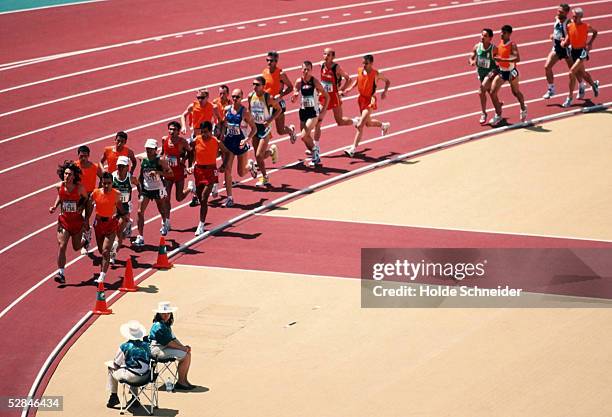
111,153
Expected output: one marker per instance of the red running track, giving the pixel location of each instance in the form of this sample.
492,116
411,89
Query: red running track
49,312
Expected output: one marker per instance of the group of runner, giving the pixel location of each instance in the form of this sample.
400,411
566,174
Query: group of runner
497,64
224,127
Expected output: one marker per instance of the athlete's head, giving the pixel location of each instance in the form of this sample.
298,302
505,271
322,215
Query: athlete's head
83,153
206,128
151,148
237,95
578,13
368,60
223,91
122,165
506,31
174,128
202,95
258,84
107,181
120,140
306,68
272,58
329,54
562,11
68,171
486,35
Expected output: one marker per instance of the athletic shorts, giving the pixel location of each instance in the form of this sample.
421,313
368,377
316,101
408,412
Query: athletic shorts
580,53
262,131
334,101
308,113
127,208
232,143
205,174
104,226
487,73
179,174
509,75
154,194
282,105
561,52
70,222
366,102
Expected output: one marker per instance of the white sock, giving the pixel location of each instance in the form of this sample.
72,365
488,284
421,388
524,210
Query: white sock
61,271
551,86
102,276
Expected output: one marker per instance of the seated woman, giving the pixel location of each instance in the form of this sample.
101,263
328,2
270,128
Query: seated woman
164,344
131,362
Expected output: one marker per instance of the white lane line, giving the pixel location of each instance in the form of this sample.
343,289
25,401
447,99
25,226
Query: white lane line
255,38
411,7
392,110
325,17
304,19
346,14
368,12
262,25
199,33
390,9
31,9
23,197
241,27
220,30
178,36
40,59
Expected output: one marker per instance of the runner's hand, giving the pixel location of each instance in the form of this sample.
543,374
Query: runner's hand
383,95
243,142
52,209
294,96
190,170
184,130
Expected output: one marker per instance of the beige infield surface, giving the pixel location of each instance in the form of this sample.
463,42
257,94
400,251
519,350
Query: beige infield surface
338,359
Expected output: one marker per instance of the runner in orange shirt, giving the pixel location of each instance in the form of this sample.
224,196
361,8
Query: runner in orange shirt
507,57
90,175
220,103
577,36
205,151
111,153
278,85
71,197
108,210
201,110
175,150
367,77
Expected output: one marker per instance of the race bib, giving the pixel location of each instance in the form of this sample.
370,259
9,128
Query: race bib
69,206
125,197
172,161
258,116
308,101
483,62
329,87
233,130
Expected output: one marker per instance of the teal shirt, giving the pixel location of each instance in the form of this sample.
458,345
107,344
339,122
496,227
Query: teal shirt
137,354
161,333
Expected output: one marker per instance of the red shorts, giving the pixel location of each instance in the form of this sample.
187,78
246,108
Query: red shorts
334,101
105,227
179,174
71,222
205,175
366,102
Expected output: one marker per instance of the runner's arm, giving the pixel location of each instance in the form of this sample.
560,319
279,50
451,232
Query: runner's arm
347,79
277,110
118,205
325,95
99,171
133,160
349,88
84,195
252,128
287,83
472,58
381,77
296,89
593,36
57,201
184,118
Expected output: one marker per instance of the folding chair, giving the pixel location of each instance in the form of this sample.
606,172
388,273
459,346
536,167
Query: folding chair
147,389
169,365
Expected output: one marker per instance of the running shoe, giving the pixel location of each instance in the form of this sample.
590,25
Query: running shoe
274,150
229,202
262,182
308,152
596,88
139,241
85,241
355,121
200,230
549,93
215,191
60,278
195,201
385,128
495,120
581,91
191,186
292,135
164,229
523,115
567,102
483,119
113,400
252,168
113,252
99,279
350,152
316,158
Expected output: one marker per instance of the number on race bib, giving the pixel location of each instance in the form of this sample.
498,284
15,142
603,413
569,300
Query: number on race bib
329,87
233,130
69,206
172,161
308,101
483,62
125,197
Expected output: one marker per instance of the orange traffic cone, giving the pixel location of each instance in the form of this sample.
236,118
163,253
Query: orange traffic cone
100,306
128,278
162,256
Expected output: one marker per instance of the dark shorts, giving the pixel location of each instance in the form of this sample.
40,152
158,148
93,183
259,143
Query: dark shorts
205,175
307,113
262,131
232,143
70,222
282,105
561,52
486,73
580,53
127,208
153,194
105,226
509,75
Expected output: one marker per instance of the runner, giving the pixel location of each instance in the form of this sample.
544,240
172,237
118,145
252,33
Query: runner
482,58
367,77
307,86
123,181
577,35
206,150
559,52
507,57
260,104
90,175
235,142
174,150
108,210
331,78
111,153
278,85
71,195
220,103
152,169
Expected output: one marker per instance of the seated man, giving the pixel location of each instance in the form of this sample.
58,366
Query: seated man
131,362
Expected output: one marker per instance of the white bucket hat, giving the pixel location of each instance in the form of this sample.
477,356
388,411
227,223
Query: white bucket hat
151,143
123,160
165,307
133,330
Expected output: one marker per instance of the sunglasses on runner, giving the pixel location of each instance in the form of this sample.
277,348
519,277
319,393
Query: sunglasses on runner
236,97
256,85
201,97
